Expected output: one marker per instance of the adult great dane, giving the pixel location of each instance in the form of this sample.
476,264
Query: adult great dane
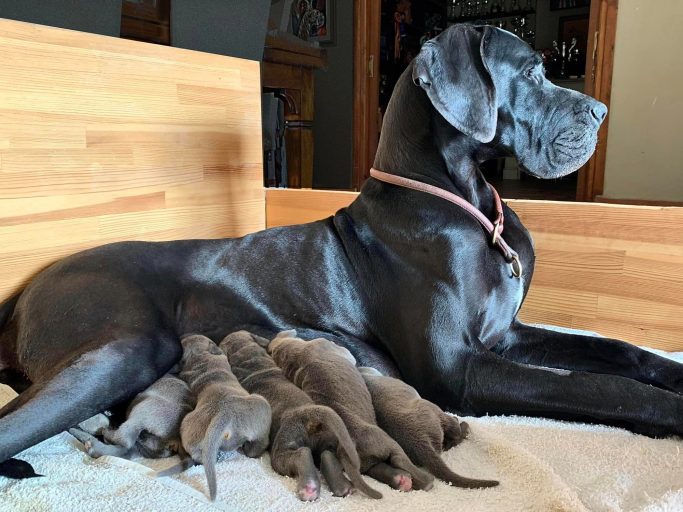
409,282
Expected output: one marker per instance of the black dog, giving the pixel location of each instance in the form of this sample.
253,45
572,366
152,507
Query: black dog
407,281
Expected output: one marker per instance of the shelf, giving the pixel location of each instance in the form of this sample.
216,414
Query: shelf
491,16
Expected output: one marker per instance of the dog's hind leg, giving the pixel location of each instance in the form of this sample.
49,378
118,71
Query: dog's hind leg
333,472
394,478
297,464
82,387
96,448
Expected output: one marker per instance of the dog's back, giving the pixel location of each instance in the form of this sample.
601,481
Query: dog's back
226,415
257,373
327,373
417,425
295,416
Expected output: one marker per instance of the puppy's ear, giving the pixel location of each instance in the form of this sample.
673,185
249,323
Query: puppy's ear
452,70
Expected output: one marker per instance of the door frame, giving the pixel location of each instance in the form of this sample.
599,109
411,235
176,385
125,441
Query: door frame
602,31
366,30
602,27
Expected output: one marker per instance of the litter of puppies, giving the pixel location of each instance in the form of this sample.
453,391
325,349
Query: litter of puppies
304,401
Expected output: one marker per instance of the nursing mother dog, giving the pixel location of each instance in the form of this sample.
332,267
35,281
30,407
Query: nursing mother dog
411,283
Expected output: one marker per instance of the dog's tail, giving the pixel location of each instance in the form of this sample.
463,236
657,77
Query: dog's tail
216,434
433,462
347,454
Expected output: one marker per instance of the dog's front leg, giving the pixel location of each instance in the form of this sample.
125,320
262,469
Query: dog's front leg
495,385
571,351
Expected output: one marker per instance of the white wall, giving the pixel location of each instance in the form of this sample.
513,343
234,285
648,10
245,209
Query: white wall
645,141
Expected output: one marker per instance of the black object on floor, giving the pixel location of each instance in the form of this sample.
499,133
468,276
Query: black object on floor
18,469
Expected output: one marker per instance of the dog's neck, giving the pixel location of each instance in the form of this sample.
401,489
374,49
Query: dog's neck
418,143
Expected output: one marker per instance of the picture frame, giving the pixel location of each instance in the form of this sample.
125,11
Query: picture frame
558,5
314,20
280,12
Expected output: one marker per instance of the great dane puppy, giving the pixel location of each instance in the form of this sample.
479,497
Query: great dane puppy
408,282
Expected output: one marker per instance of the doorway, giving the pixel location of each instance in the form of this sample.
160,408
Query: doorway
575,37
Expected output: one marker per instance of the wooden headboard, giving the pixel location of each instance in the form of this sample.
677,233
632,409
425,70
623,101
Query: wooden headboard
104,139
614,269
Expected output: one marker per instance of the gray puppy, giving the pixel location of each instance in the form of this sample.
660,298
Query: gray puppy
421,428
328,374
226,416
152,426
300,430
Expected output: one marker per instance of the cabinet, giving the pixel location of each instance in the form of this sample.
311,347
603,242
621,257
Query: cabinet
287,68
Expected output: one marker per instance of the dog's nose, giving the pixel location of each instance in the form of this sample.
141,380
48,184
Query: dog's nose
598,111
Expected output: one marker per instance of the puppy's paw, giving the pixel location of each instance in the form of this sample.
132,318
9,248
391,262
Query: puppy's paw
309,492
403,483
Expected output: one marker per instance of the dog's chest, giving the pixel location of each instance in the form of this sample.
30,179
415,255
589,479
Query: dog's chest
499,308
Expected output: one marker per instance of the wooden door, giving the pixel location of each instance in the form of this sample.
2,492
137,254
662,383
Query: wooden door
366,32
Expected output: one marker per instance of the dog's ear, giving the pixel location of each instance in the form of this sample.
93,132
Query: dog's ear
452,70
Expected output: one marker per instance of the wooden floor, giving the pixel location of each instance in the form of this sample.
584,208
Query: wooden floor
104,139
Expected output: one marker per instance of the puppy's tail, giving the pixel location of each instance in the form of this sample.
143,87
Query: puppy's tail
348,455
437,467
215,435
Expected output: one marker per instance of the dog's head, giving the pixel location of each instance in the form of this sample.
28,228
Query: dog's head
490,85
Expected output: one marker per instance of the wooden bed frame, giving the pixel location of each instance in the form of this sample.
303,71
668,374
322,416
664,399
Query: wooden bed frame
103,139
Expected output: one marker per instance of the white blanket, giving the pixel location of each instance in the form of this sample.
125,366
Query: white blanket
543,466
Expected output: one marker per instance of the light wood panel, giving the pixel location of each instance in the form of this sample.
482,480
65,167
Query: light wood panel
614,269
104,139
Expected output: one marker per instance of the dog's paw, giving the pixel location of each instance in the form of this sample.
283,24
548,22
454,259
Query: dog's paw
309,492
403,483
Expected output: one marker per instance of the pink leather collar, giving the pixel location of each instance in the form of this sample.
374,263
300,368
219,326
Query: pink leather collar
494,228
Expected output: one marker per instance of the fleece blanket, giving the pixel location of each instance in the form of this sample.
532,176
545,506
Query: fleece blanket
542,465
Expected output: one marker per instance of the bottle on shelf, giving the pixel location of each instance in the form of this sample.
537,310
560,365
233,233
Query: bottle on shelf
454,10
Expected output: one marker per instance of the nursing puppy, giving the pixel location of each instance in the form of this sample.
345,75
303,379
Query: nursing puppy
420,427
226,416
300,431
327,373
152,425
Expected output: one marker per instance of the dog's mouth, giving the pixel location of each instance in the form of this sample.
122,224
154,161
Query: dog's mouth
574,142
568,151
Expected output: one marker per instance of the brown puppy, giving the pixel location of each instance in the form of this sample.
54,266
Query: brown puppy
226,416
421,428
328,374
300,430
152,426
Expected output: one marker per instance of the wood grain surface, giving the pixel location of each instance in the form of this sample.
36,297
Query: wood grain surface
614,269
105,139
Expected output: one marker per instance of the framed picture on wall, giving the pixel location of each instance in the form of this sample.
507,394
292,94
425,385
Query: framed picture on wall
314,20
568,4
